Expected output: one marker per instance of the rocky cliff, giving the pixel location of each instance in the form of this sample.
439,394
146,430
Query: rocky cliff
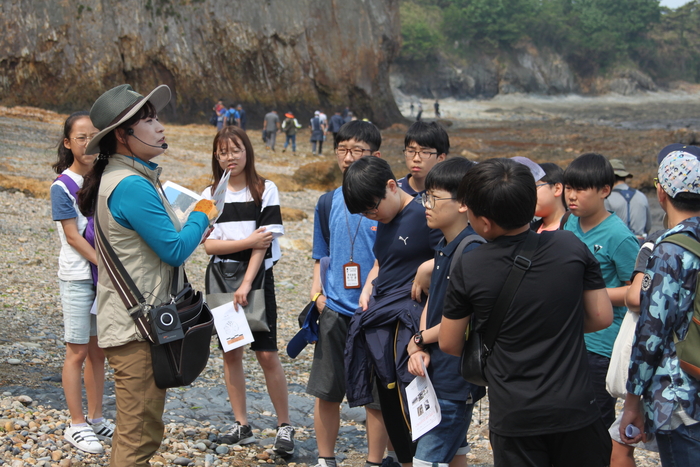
522,69
291,54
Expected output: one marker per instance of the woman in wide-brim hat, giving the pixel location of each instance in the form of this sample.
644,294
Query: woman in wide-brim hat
123,192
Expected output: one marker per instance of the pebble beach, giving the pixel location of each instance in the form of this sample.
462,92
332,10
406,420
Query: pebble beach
33,415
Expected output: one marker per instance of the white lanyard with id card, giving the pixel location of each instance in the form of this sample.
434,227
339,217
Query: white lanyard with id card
351,270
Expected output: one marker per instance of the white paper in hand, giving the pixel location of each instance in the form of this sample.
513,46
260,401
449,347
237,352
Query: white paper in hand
422,405
219,195
231,326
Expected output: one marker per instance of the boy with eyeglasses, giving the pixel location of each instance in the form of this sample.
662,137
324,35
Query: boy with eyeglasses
425,144
378,337
446,444
346,240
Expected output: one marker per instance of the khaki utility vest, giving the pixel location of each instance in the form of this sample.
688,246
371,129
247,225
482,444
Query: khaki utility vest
151,275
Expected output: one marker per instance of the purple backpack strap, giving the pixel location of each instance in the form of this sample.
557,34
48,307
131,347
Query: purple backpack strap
89,233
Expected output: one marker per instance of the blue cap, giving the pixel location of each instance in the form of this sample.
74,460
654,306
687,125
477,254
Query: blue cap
308,333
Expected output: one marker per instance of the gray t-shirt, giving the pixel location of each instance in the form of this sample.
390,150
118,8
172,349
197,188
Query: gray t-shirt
271,121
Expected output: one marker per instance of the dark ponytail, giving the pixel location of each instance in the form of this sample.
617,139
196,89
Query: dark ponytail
87,195
65,155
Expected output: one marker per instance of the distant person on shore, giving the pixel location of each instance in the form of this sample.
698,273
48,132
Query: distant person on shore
588,180
420,112
412,109
335,123
425,144
447,442
242,116
290,125
551,205
220,110
436,105
318,131
245,242
341,238
77,277
150,242
232,117
271,125
630,205
541,400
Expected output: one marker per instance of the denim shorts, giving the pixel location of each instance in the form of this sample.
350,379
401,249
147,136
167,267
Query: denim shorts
77,298
449,438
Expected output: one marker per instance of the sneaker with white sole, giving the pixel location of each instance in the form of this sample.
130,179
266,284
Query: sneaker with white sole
104,429
83,438
239,434
284,441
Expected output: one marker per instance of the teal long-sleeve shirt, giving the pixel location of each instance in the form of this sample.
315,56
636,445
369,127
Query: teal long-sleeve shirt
136,205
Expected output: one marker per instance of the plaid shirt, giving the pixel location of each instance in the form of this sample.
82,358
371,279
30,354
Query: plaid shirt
667,296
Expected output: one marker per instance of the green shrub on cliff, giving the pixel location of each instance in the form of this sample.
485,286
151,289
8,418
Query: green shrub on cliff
421,30
591,34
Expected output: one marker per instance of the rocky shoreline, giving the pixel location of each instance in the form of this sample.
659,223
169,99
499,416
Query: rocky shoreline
32,407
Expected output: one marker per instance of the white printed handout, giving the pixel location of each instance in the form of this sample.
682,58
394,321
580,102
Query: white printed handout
181,200
231,326
422,405
219,195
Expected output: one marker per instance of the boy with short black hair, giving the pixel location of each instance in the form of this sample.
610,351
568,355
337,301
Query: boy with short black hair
671,396
345,238
425,144
446,443
588,182
378,336
542,409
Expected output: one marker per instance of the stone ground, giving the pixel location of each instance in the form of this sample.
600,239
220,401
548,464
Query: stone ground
32,406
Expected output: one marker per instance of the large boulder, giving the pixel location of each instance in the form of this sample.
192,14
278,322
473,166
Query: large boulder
295,54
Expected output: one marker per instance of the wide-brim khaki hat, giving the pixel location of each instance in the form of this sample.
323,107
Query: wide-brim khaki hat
119,104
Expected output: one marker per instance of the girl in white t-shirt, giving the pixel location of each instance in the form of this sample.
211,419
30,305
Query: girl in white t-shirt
247,231
78,289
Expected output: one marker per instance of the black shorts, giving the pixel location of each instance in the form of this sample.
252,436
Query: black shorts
267,341
589,446
327,378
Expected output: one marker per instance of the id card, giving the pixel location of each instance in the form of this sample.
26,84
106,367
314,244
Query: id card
351,276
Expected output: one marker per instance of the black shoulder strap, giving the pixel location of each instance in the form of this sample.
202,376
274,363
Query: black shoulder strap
325,202
564,218
520,265
462,245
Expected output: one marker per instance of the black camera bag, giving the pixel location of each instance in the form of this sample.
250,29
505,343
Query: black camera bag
179,362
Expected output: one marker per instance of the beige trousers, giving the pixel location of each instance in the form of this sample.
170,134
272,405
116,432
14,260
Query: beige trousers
140,405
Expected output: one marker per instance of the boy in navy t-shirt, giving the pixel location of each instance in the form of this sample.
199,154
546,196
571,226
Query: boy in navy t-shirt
446,443
425,144
404,241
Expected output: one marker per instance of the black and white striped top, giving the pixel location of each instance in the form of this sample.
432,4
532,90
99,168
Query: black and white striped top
241,217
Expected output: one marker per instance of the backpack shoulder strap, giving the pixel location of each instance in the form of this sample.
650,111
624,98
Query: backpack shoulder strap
325,202
564,218
70,184
684,241
466,241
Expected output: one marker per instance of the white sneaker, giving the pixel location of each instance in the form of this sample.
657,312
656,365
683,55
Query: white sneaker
83,438
104,429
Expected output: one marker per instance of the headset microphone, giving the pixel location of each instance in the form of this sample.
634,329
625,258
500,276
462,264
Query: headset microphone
130,132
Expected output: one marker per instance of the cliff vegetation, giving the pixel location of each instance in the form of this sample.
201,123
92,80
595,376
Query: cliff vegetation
486,47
